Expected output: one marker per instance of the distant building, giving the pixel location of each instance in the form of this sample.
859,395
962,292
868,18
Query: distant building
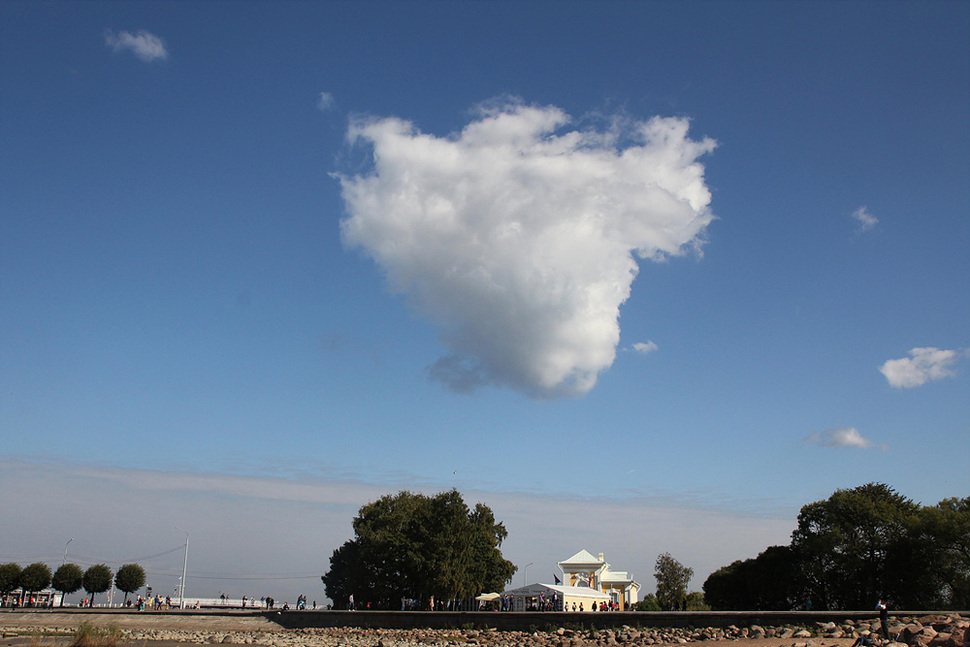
45,598
586,581
582,569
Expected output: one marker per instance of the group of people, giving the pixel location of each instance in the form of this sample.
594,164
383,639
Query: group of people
16,602
142,603
603,606
267,602
554,603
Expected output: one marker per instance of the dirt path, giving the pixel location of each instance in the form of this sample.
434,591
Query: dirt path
143,621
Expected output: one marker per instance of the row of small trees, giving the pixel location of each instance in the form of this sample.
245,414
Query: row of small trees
69,578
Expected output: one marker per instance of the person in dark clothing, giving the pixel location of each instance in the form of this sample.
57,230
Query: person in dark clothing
883,619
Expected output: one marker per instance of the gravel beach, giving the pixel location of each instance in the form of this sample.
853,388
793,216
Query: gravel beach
53,629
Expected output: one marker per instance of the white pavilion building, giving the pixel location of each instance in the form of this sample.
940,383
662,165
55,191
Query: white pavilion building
586,581
583,569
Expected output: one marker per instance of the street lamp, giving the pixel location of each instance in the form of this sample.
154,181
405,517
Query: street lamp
65,550
525,574
185,562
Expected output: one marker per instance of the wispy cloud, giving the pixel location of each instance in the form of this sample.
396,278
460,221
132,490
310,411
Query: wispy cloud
865,219
644,347
840,437
143,44
518,236
923,365
118,515
325,102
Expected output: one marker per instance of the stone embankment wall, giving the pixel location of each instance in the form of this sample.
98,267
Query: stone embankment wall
726,621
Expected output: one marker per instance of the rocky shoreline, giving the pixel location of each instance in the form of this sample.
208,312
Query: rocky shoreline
939,630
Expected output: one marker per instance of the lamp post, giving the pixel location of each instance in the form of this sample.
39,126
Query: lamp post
185,562
525,574
65,550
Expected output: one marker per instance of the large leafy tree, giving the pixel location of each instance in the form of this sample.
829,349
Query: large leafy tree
9,577
130,578
35,577
672,581
97,579
858,546
68,578
418,547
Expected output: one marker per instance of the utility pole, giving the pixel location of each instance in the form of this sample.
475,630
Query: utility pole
185,562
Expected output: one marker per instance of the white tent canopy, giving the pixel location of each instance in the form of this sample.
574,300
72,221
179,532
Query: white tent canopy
566,596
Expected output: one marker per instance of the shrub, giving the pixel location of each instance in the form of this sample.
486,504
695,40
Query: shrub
89,635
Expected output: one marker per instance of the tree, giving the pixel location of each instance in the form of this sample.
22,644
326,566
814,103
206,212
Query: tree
648,603
946,527
129,579
35,577
346,574
9,578
856,547
97,579
672,580
696,602
67,579
766,583
417,547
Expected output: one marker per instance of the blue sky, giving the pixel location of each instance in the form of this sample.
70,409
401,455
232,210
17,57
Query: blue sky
643,277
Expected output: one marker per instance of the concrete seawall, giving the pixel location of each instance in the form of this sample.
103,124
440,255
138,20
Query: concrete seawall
524,621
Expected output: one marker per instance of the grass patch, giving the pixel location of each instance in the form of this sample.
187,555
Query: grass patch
89,635
39,639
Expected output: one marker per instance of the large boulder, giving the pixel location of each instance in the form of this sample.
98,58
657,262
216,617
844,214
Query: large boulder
925,636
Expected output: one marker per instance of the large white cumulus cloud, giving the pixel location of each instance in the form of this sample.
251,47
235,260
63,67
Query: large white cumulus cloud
517,235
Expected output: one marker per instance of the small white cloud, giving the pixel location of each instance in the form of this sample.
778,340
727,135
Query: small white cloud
865,219
644,347
519,237
145,45
840,437
325,102
923,365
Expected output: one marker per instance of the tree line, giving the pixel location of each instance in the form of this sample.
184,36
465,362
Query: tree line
848,551
68,578
854,548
